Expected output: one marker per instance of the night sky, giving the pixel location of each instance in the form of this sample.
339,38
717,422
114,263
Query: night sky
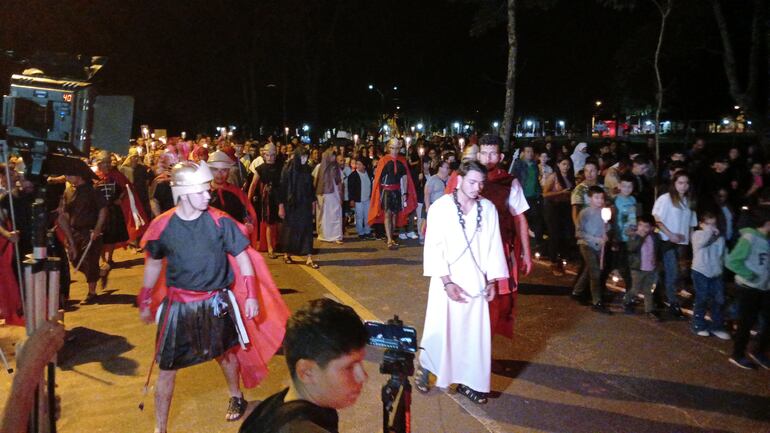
196,64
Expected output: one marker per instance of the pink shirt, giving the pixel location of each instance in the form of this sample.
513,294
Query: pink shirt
648,255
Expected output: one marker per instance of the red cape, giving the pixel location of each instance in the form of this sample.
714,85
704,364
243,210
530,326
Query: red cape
135,231
376,214
10,298
265,331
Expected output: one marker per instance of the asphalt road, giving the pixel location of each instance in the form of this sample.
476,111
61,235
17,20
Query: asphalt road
567,369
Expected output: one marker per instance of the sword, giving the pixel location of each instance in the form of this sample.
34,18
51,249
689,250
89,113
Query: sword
85,251
243,337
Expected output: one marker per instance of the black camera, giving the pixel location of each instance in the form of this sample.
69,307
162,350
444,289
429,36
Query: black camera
392,335
400,344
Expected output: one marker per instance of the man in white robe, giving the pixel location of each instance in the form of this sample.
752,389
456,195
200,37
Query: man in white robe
463,268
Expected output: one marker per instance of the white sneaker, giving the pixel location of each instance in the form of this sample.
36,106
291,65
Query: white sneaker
402,236
722,335
703,333
412,235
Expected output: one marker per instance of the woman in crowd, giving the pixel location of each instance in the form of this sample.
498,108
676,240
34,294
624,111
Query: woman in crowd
675,219
266,184
557,188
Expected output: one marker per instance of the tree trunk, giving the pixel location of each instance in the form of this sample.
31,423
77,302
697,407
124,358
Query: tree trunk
510,81
664,7
746,97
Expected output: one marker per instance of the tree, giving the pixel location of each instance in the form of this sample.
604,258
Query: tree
490,14
747,96
664,7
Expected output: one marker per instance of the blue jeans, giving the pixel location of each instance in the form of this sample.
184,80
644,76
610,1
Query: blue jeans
671,271
709,293
362,215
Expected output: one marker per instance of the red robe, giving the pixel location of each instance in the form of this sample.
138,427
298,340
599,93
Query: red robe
253,235
497,188
265,331
10,298
135,231
376,213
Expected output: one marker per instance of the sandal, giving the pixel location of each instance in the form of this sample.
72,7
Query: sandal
272,255
288,260
236,407
392,246
422,380
312,264
474,396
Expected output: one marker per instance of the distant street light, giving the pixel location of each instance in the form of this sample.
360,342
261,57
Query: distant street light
456,126
371,87
561,124
737,107
725,121
495,125
598,103
306,127
529,123
395,87
419,126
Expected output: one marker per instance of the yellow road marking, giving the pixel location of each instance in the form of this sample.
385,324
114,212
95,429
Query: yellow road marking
340,294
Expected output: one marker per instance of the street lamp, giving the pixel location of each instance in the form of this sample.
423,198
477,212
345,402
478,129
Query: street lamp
306,127
456,126
371,87
395,87
495,125
419,126
598,103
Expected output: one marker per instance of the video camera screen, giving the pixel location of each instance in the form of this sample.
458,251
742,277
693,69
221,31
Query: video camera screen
390,336
33,117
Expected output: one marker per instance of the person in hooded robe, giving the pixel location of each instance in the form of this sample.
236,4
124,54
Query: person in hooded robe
296,207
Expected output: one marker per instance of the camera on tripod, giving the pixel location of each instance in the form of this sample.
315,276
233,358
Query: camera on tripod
400,344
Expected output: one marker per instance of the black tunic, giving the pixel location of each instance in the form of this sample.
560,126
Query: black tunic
196,252
298,195
269,190
226,201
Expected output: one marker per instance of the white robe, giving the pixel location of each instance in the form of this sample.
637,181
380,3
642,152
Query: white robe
329,216
457,339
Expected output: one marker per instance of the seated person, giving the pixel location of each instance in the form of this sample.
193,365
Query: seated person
324,348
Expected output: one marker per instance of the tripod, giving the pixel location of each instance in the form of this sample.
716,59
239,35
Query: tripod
397,391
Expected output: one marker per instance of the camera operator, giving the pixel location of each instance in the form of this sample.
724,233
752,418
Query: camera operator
324,348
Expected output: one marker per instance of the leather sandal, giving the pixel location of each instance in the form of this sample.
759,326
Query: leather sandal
474,396
236,407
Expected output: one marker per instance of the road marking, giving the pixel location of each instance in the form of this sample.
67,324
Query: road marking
473,410
341,294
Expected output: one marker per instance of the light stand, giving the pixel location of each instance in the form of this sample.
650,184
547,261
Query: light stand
40,290
397,391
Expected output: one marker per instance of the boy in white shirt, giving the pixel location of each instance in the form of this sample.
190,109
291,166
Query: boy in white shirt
708,251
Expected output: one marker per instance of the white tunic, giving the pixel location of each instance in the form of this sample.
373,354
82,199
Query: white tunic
456,338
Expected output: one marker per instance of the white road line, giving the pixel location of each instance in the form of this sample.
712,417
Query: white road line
473,410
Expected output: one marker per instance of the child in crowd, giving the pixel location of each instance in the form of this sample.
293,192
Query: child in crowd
625,218
591,232
642,247
750,261
708,251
